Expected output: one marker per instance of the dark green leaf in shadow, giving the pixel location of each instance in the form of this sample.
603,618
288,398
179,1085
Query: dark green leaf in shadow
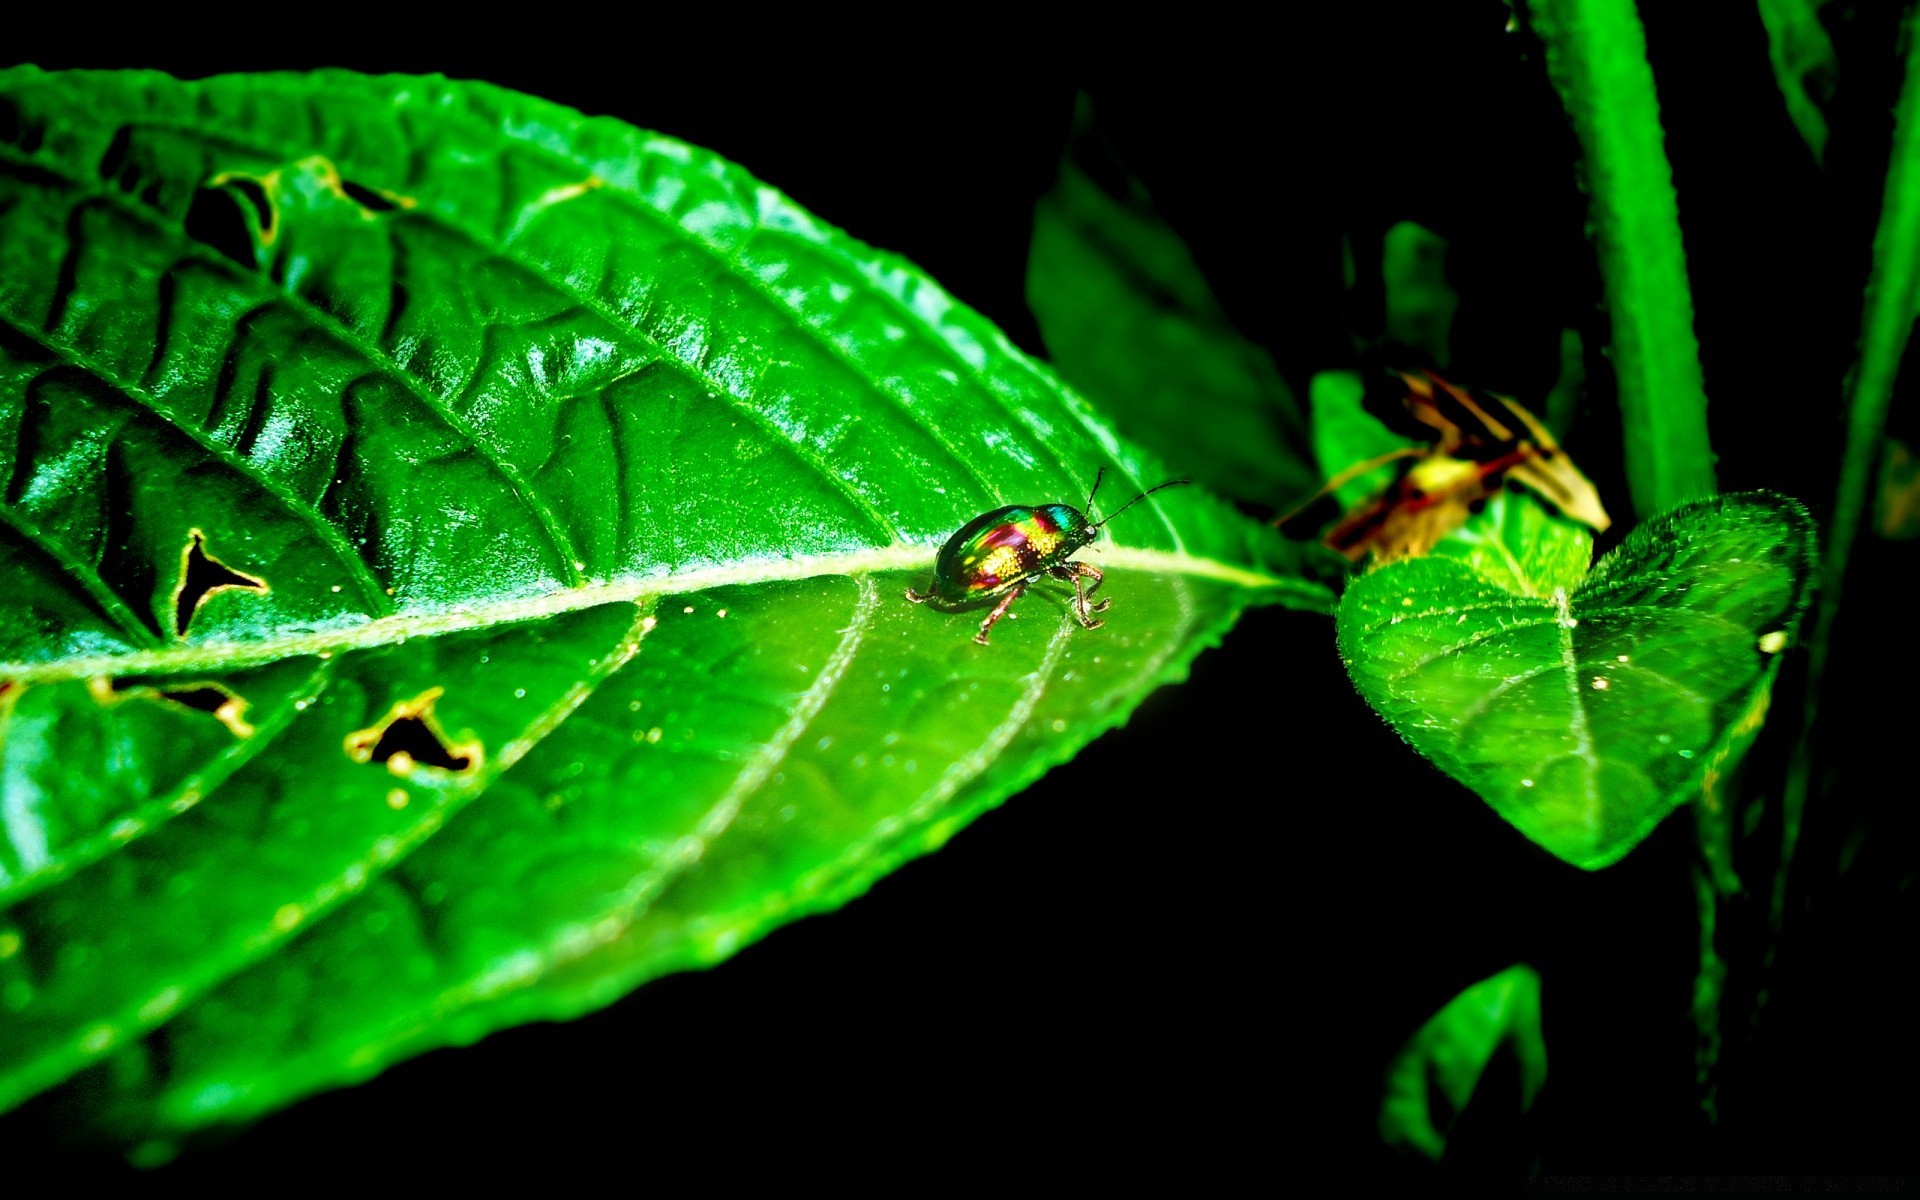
1420,301
1445,1060
1584,706
1129,319
1569,387
456,551
1803,65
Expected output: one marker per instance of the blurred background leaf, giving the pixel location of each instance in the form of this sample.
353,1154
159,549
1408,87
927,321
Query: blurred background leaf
1433,1078
1129,319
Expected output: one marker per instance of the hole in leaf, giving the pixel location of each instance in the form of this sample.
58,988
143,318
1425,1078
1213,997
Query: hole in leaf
235,215
367,198
409,737
216,700
201,576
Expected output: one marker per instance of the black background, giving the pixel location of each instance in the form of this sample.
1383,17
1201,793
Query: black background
1187,955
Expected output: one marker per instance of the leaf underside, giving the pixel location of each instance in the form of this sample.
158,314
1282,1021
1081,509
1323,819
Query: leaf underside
455,552
1583,706
1446,1058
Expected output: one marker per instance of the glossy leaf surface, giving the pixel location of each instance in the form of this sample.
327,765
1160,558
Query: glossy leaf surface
1130,320
1582,705
1446,1058
456,551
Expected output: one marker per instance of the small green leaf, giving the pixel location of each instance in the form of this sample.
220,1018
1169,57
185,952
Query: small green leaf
1129,319
1420,301
455,552
1582,705
1803,65
1450,1053
1346,435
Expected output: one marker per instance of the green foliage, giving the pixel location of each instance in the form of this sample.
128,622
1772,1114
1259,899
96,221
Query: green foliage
1445,1059
1346,435
1803,65
1420,301
1892,304
1582,705
1129,319
456,551
1597,58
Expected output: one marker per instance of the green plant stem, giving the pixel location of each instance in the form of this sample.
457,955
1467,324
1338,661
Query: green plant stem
1893,289
1709,986
1596,57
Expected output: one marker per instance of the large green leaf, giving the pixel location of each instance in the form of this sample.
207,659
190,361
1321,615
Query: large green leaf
1130,320
455,552
1584,706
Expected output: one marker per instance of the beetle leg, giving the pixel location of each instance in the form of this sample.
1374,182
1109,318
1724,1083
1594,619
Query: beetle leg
999,610
917,598
1094,573
1068,571
1077,571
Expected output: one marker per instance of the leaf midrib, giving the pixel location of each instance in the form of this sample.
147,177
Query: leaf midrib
529,494
638,898
227,656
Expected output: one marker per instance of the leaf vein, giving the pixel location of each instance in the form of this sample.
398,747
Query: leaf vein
86,575
340,332
328,533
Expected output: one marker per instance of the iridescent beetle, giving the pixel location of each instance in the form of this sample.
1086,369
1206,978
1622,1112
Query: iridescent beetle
1001,553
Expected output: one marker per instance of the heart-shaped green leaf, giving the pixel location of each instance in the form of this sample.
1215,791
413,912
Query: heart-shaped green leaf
1582,705
455,552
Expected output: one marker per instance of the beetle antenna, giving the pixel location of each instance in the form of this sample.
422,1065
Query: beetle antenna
1097,477
1137,499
